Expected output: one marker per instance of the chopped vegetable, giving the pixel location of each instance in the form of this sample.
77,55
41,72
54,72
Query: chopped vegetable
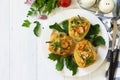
29,1
56,45
89,60
43,17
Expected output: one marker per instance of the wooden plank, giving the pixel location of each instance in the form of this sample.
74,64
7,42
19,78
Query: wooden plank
23,44
4,40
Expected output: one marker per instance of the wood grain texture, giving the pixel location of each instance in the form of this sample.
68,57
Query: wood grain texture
23,44
21,55
4,40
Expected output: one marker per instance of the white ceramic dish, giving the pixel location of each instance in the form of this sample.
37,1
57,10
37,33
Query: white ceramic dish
101,51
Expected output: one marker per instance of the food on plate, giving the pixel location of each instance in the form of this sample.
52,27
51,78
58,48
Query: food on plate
84,53
71,43
61,44
78,27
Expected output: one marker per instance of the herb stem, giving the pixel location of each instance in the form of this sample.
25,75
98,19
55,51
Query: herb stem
48,42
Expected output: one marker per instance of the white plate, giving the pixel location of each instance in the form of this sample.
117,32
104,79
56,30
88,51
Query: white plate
102,51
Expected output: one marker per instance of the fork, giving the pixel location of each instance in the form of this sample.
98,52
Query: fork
113,61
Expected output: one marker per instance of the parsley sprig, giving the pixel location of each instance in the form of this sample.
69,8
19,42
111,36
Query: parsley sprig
63,28
39,7
42,7
93,36
36,29
68,60
26,23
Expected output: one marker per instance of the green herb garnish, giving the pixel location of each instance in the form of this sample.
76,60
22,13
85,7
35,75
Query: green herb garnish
75,21
49,6
54,57
26,23
69,61
71,65
89,60
56,27
37,8
56,45
99,41
44,6
60,64
37,28
93,37
32,12
63,28
59,59
94,30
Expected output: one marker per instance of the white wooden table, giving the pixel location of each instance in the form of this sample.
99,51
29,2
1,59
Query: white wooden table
20,55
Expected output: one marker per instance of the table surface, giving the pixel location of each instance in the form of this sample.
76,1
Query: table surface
20,52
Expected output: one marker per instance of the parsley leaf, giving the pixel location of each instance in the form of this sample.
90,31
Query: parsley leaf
71,65
59,59
40,2
89,60
32,12
26,23
56,27
94,30
99,41
53,56
60,64
37,28
45,6
50,5
56,45
65,26
93,37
